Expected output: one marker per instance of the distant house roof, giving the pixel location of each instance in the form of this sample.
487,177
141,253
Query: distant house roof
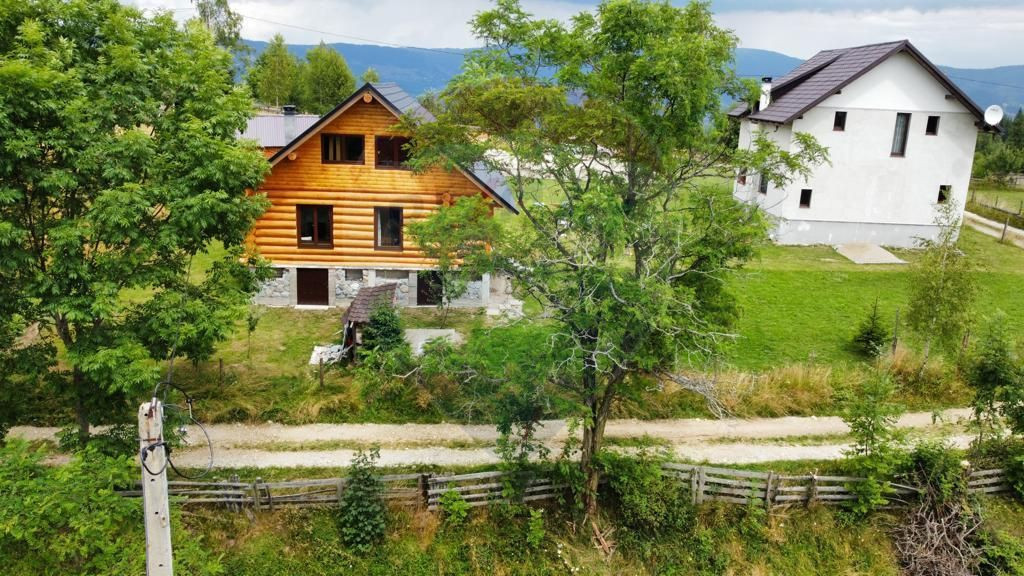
268,130
829,71
368,298
400,103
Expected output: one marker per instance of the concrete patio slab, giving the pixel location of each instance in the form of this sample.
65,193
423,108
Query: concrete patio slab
417,337
868,254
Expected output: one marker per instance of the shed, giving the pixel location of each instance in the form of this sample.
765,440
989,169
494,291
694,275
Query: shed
358,313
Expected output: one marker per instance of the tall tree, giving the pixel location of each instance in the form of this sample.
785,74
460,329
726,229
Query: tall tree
606,130
118,164
942,285
370,75
223,23
274,76
324,80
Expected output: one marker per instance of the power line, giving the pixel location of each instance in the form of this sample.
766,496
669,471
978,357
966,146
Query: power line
988,82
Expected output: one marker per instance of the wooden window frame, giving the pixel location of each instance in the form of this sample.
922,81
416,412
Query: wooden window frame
376,229
315,243
902,152
323,149
809,192
930,130
395,149
837,124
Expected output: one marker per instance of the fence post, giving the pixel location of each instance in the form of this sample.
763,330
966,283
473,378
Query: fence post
896,331
700,486
693,485
341,489
1006,225
235,507
769,491
812,489
423,483
256,493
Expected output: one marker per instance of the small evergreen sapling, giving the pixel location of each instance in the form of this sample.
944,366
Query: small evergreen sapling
871,336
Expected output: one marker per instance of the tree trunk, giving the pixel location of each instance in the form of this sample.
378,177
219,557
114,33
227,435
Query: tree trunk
81,411
593,433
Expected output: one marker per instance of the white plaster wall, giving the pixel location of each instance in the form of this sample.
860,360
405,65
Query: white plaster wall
876,197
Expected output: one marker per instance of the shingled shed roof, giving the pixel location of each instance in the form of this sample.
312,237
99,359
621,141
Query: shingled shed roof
829,71
366,300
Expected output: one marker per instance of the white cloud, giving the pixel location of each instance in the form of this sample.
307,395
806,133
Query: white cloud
969,38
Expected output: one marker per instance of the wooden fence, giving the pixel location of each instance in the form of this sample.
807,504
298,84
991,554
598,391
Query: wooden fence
705,484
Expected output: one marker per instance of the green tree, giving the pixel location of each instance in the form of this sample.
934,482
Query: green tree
607,127
274,76
370,75
458,238
871,334
118,164
871,414
942,285
993,372
324,80
363,516
223,23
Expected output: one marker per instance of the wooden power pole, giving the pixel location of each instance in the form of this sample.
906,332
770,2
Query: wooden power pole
154,489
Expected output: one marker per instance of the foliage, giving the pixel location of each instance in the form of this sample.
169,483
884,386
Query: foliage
223,23
324,81
274,76
535,532
627,252
383,333
871,415
994,373
362,520
999,155
119,162
370,75
942,285
871,335
650,503
458,237
68,519
454,508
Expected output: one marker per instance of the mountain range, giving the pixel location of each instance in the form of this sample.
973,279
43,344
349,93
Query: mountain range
418,70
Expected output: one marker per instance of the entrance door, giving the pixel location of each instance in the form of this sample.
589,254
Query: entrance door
312,286
428,288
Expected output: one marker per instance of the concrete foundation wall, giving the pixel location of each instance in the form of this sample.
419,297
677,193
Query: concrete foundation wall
809,232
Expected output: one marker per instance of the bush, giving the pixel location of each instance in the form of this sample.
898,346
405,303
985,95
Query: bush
363,517
871,336
871,414
454,508
993,373
383,333
650,503
535,529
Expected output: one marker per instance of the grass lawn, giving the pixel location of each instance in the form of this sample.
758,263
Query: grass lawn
804,303
1006,198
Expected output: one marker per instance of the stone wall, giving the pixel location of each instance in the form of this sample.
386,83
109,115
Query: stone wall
346,289
277,291
406,293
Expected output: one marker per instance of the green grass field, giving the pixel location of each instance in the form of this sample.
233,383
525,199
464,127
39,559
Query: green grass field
1011,199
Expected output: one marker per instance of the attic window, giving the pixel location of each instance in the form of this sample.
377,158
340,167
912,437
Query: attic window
839,124
932,128
805,198
342,148
945,191
899,136
391,152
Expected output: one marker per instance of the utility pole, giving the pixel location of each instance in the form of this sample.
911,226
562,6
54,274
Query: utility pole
153,454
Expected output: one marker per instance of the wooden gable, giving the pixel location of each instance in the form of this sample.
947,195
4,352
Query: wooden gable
353,190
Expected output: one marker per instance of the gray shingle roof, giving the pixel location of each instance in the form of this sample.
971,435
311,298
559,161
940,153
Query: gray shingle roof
406,105
268,129
829,71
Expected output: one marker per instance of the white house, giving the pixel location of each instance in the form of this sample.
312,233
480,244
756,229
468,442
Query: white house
900,136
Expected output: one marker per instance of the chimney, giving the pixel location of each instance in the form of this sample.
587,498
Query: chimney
289,122
766,93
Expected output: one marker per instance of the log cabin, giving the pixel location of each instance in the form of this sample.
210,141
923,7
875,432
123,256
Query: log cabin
341,196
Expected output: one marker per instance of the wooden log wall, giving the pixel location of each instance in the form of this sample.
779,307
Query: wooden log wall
354,191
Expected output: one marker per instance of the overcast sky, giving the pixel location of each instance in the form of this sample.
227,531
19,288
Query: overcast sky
964,33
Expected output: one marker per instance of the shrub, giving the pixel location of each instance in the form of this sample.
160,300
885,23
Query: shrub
454,508
871,414
383,333
363,517
993,373
871,336
535,529
651,504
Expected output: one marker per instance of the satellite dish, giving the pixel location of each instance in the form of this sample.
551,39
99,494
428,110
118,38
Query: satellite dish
993,115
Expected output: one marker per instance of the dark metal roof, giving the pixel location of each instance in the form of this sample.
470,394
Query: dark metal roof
368,298
268,129
400,103
829,71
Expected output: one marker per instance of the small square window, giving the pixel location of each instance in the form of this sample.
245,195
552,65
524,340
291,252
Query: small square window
342,148
945,191
932,128
391,151
280,272
314,226
741,178
839,124
805,198
353,275
762,184
388,225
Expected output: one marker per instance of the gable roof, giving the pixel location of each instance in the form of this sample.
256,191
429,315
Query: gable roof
829,71
392,97
268,130
367,298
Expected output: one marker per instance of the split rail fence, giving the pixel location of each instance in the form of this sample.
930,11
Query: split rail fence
705,484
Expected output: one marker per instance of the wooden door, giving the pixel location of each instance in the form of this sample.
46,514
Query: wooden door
312,286
428,288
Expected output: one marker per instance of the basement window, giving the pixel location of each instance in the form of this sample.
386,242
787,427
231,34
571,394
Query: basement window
932,128
354,274
839,124
805,198
899,136
391,152
313,226
342,148
945,191
388,227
